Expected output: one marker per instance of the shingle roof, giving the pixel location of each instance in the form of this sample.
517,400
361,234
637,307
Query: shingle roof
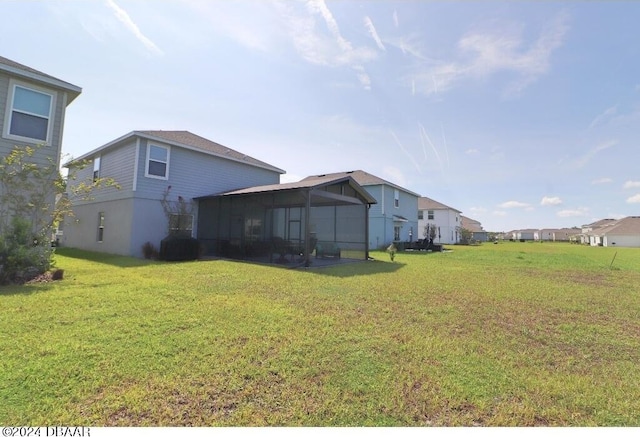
425,203
24,71
303,184
470,224
361,177
625,226
186,140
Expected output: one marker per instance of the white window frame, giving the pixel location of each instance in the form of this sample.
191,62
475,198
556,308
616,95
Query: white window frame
396,198
148,158
100,235
431,214
13,84
96,168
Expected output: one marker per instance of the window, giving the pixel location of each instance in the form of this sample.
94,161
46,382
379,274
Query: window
396,233
420,215
396,198
100,227
96,168
181,224
157,162
29,113
430,215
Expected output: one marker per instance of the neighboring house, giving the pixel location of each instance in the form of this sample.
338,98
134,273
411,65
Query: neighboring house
446,219
32,111
563,234
394,215
589,233
621,233
145,164
475,227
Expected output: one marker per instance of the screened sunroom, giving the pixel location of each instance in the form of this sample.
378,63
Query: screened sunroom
294,223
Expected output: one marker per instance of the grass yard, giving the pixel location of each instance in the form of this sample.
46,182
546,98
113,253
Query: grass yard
510,334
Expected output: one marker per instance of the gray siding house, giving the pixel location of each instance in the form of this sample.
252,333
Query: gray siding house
394,216
33,106
145,164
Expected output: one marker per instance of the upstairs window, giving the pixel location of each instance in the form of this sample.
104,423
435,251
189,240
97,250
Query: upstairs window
420,215
396,198
28,115
430,215
96,168
157,162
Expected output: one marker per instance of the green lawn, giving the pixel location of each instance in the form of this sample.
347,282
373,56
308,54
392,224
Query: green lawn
508,334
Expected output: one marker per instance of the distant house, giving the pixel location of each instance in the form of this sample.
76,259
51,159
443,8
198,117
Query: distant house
475,227
562,234
621,233
524,235
590,233
34,106
145,164
394,215
446,219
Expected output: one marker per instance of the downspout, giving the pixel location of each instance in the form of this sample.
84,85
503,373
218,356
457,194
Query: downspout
307,233
366,228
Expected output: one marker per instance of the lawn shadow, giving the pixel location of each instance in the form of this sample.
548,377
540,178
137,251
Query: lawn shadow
356,268
24,289
105,258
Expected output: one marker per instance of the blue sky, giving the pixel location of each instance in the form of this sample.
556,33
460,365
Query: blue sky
518,114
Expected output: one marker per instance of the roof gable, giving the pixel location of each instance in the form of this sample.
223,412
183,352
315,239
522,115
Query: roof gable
16,69
425,203
186,140
361,177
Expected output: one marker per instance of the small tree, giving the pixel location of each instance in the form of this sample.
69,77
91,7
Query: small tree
179,214
33,200
430,232
466,236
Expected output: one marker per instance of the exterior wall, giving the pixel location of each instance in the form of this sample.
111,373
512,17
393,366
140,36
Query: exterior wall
447,220
381,220
621,240
52,149
81,231
135,209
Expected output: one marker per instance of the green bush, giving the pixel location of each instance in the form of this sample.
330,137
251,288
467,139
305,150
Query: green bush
23,256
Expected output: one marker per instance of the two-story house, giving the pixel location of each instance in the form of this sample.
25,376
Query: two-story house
145,164
32,111
394,215
445,219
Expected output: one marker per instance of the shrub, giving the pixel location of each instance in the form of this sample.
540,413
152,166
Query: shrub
149,251
23,256
175,248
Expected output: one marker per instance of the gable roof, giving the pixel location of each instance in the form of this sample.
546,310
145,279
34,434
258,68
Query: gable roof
16,69
185,140
361,177
470,224
309,184
625,226
425,203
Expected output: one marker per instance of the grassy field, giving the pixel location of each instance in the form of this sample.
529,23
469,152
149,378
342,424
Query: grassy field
510,334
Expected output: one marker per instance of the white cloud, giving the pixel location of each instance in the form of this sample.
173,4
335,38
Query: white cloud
374,34
634,199
514,204
132,27
631,184
550,201
471,151
607,114
481,55
478,209
500,213
396,23
578,212
395,175
601,181
584,160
